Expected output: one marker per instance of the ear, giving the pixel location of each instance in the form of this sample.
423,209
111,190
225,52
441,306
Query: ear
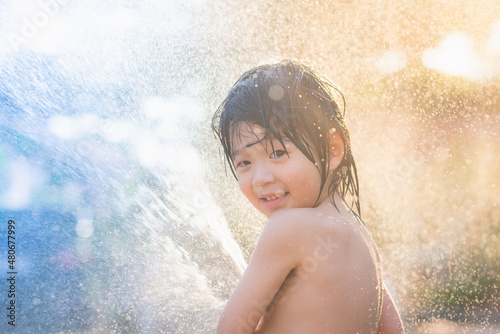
336,149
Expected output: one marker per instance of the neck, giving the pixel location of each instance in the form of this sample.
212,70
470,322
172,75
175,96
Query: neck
338,204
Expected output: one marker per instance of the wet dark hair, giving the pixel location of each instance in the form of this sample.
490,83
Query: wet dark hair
290,100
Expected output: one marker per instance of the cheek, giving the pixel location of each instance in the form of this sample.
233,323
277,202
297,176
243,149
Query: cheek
302,175
308,183
245,185
308,180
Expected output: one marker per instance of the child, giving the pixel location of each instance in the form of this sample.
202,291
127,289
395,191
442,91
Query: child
315,268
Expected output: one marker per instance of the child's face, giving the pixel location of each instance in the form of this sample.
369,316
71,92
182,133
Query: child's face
273,180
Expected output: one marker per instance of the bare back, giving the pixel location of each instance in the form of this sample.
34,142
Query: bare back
314,270
336,285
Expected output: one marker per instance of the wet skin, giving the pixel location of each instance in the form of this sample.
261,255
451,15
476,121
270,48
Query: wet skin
314,269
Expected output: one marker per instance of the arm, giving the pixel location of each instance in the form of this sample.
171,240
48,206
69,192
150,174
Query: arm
273,258
390,321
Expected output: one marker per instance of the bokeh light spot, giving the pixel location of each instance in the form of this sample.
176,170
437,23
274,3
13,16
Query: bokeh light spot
85,228
276,93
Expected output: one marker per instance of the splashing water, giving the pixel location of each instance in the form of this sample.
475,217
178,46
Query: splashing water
117,230
110,174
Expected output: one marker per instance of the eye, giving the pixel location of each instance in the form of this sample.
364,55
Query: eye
277,154
242,164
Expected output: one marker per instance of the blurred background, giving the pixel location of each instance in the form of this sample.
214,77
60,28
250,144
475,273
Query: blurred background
126,218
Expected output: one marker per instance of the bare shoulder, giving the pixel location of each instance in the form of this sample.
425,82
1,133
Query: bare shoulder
309,219
286,227
304,226
293,221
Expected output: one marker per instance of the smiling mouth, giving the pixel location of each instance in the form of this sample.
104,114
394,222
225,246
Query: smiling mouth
272,198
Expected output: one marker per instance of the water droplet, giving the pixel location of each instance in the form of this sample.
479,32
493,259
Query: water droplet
84,228
276,93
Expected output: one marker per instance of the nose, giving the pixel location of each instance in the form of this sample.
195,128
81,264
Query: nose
261,176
